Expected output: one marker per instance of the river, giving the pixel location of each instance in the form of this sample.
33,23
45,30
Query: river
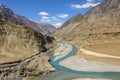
64,73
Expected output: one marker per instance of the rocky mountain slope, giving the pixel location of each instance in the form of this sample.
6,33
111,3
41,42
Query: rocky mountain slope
101,23
21,47
68,25
44,28
18,41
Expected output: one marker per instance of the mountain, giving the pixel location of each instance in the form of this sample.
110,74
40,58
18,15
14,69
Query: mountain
26,22
24,40
68,25
21,47
101,23
46,28
97,33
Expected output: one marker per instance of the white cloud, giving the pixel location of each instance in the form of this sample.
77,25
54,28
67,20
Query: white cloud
45,17
57,25
63,15
43,13
54,18
86,5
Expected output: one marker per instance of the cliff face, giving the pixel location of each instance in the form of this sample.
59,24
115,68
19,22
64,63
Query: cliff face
101,23
20,47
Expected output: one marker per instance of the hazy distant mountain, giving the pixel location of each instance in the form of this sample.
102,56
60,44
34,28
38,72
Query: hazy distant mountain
43,28
101,23
46,28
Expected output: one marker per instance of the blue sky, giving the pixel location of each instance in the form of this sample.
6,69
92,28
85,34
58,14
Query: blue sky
53,11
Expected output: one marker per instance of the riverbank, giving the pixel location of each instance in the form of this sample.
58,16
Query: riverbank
105,52
77,63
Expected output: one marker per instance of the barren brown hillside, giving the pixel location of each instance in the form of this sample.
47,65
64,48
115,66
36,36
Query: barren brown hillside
18,42
100,22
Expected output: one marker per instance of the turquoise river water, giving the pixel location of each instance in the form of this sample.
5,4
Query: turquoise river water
64,73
